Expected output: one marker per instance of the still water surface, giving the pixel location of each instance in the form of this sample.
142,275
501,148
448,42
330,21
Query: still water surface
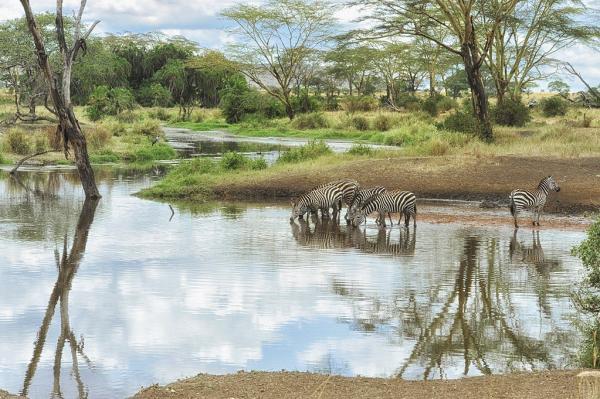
101,299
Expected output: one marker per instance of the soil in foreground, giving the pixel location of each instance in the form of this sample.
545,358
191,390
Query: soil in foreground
543,385
465,178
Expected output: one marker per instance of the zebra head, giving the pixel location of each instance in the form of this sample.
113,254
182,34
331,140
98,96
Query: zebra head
299,208
359,218
549,184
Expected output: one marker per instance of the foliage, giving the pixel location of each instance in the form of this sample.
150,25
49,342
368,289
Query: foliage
361,149
313,149
97,137
430,105
305,103
153,95
445,103
315,120
149,153
559,87
237,161
148,127
238,101
358,104
160,113
554,106
359,122
511,113
17,141
588,296
382,122
104,156
460,121
109,101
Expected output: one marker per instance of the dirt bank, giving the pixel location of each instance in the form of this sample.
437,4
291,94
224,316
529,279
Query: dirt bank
545,385
467,178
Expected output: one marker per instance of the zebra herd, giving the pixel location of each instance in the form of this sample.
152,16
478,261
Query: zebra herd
361,202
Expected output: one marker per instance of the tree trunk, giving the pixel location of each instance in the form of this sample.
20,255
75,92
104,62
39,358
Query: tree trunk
478,96
431,82
68,125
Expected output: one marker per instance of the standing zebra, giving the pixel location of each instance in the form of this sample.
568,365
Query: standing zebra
402,202
533,200
321,198
361,198
348,187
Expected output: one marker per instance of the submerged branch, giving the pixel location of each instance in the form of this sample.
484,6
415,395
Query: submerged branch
18,165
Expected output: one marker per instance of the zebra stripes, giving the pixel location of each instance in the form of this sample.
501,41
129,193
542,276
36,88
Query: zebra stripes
533,200
348,187
361,198
321,198
403,202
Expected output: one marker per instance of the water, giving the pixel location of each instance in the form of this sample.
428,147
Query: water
132,295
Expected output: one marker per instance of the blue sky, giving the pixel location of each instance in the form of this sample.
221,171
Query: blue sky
199,20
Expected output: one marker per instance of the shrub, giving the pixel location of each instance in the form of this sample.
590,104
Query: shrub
257,164
554,106
104,156
311,150
430,106
197,117
233,161
97,137
40,143
408,101
148,127
127,117
109,101
445,103
17,141
360,149
238,101
511,113
305,103
587,298
148,153
382,122
154,95
315,120
355,104
460,122
360,123
116,128
160,113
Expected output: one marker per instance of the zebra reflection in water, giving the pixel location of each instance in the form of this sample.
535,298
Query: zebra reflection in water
327,234
532,255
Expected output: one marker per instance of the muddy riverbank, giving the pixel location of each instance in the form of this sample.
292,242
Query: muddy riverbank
462,178
544,385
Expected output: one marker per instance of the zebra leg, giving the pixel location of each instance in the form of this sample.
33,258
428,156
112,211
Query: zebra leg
390,216
415,217
539,213
406,219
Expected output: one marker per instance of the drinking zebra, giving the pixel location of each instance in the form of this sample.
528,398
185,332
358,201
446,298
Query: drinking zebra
348,187
361,198
321,198
533,200
402,202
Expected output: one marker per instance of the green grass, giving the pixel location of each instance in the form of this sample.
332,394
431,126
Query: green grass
203,126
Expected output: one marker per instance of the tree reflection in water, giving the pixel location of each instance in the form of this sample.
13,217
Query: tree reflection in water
475,318
67,265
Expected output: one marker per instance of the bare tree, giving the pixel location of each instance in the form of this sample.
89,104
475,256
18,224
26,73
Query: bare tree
68,128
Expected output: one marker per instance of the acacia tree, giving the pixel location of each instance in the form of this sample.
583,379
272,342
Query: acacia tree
351,63
525,42
465,32
275,39
68,128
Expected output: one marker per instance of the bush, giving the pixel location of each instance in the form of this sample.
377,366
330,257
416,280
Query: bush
148,153
104,156
127,117
359,104
460,122
445,104
360,149
360,123
40,143
18,142
554,106
197,117
233,161
257,164
238,101
314,120
154,95
109,101
97,137
511,113
115,128
430,106
312,150
382,122
305,103
160,113
148,127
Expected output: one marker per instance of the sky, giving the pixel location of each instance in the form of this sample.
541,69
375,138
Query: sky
199,20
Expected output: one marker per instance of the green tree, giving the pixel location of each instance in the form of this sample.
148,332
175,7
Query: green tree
275,38
456,26
559,87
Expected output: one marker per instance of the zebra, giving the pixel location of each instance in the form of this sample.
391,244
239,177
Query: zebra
321,198
361,198
384,245
534,200
403,202
348,187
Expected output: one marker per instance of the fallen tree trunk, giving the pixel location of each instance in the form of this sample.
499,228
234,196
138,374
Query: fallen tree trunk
22,161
